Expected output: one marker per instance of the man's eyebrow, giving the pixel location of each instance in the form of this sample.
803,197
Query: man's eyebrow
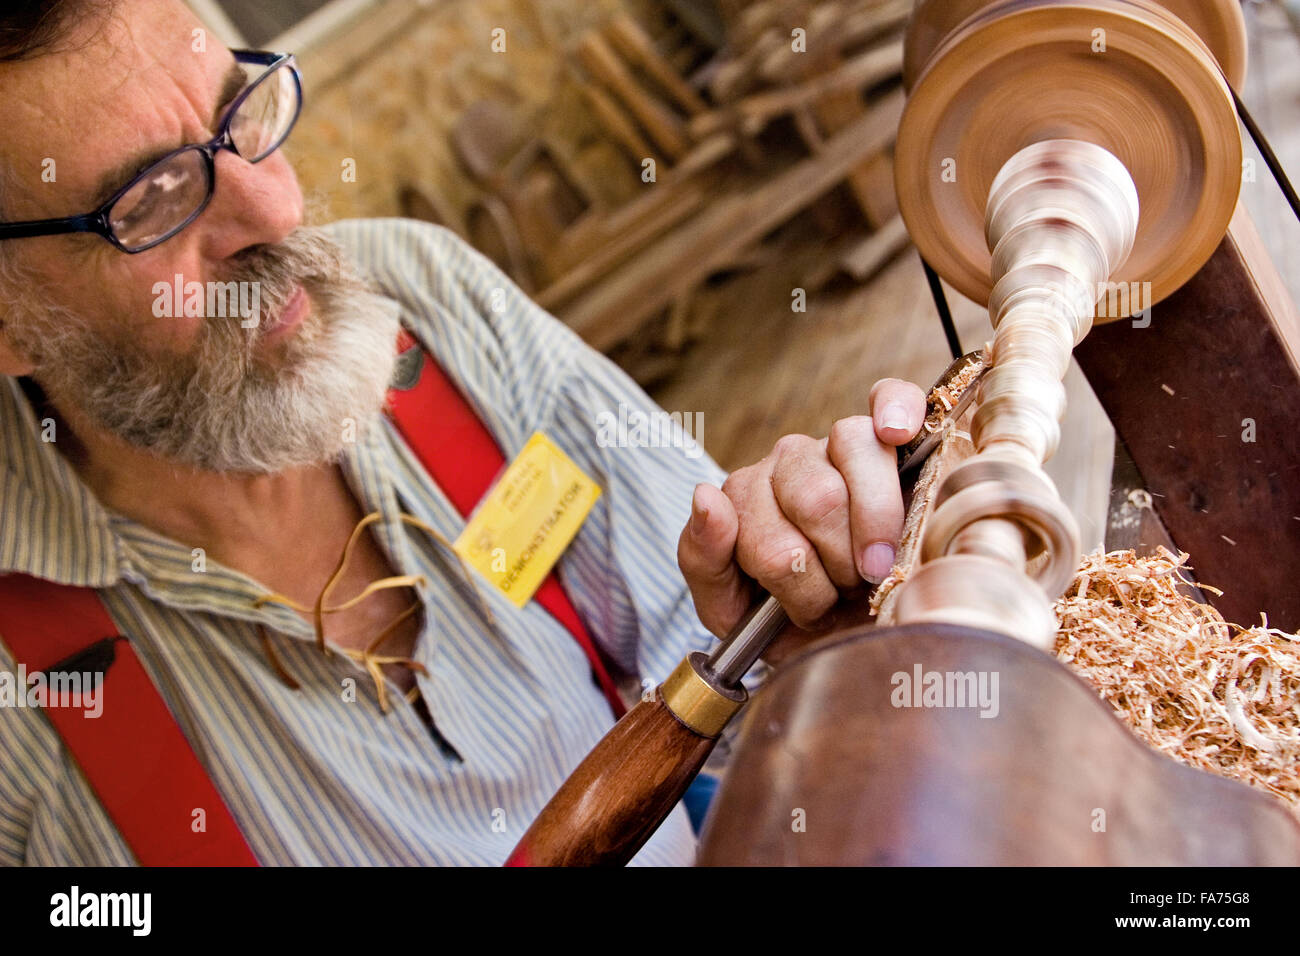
117,177
234,83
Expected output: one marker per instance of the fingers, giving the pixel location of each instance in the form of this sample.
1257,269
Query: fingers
770,548
870,471
706,555
897,409
812,495
811,519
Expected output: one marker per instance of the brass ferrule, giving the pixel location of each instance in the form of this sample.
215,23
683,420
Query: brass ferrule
701,706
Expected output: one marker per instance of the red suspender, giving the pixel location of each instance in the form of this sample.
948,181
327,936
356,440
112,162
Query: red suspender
460,455
134,755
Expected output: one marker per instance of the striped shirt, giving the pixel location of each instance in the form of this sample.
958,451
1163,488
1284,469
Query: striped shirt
312,778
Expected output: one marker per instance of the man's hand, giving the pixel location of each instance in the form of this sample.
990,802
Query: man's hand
812,519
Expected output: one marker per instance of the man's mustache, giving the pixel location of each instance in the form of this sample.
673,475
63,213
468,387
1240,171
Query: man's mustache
304,258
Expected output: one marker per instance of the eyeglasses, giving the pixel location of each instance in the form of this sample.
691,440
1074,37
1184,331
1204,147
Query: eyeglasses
169,195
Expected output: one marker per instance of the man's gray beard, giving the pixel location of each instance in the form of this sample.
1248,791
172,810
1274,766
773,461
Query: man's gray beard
232,404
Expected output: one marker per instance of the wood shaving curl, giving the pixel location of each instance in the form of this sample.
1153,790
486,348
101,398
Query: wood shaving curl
944,396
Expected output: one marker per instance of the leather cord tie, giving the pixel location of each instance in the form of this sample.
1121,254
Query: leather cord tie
369,657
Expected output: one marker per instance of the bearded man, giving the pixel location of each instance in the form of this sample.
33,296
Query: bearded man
204,474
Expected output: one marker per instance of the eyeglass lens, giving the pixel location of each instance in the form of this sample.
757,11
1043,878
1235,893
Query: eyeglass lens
174,190
263,119
161,200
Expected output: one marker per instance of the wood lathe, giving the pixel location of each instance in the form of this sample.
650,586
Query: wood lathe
1052,154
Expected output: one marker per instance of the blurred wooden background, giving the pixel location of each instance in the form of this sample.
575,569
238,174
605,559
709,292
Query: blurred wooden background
702,188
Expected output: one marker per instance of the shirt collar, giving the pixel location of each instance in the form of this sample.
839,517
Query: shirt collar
51,525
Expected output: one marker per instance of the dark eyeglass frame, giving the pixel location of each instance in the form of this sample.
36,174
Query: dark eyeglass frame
98,221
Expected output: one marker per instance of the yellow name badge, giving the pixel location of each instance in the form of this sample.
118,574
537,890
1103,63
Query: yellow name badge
520,529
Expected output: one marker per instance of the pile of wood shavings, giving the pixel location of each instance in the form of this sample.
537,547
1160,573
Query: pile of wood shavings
1207,693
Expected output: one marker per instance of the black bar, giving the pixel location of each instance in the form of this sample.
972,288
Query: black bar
941,306
1270,158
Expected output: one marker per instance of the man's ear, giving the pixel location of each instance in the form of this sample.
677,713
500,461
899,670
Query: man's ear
12,362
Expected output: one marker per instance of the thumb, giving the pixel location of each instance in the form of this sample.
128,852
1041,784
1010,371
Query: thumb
706,554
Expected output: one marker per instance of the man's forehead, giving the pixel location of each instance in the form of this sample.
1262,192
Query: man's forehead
129,42
118,83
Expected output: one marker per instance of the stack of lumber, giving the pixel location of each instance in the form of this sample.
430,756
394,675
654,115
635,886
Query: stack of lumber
793,117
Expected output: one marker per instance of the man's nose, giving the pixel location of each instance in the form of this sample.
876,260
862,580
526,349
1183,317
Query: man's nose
252,204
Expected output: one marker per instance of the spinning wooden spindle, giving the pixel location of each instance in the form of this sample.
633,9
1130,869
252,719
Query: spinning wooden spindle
1048,151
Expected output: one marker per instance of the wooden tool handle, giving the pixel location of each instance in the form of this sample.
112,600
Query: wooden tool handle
636,46
600,59
619,794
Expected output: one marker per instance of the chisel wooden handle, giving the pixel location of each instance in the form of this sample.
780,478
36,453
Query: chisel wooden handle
634,777
619,794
